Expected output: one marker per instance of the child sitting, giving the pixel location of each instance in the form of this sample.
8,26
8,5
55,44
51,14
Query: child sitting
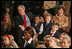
53,43
38,27
54,31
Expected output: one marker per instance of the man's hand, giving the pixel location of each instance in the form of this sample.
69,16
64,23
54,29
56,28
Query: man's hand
22,27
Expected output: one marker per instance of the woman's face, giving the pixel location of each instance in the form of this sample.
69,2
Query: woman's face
64,44
6,41
60,11
61,38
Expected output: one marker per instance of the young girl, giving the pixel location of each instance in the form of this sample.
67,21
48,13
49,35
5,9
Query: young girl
53,43
8,42
66,42
61,36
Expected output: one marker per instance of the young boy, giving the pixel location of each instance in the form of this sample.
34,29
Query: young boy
54,31
38,27
47,23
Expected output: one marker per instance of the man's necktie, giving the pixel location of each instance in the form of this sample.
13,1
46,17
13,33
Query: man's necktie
25,24
51,34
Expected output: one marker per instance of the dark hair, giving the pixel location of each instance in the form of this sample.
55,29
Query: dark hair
56,24
29,30
61,7
38,16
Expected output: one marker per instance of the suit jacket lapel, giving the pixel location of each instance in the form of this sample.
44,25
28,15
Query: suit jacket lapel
21,20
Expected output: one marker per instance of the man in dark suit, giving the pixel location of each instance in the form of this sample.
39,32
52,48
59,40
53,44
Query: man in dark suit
54,31
47,23
23,20
28,37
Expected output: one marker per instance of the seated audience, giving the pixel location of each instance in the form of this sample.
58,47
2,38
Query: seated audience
36,28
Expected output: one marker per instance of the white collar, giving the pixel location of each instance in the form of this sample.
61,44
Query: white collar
53,32
29,41
47,22
36,24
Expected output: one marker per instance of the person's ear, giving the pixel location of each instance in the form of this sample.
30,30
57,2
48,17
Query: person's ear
69,43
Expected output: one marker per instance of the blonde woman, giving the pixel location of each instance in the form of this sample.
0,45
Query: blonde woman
6,24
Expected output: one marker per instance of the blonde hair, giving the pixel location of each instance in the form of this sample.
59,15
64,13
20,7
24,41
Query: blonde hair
46,37
56,40
48,14
64,34
42,46
9,20
68,38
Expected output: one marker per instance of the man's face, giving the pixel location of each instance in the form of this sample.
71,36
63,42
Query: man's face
37,20
21,11
26,35
55,27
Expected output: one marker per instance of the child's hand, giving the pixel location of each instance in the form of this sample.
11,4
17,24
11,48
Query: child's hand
22,27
